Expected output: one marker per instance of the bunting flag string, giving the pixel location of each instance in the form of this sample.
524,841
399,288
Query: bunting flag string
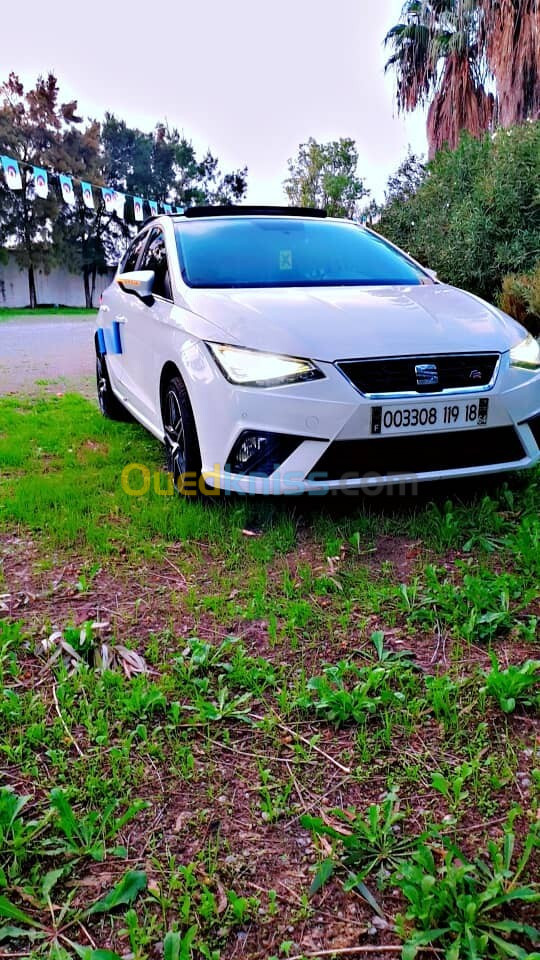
120,203
66,186
41,183
108,199
114,201
12,173
87,195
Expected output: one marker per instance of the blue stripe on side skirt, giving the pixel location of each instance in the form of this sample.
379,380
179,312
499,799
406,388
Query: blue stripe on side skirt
101,340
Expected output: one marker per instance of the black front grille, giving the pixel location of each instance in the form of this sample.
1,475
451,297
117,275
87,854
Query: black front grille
387,456
399,374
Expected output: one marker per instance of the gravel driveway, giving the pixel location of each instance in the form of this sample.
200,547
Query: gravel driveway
58,350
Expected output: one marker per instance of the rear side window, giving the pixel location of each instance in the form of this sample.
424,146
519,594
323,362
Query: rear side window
155,258
130,260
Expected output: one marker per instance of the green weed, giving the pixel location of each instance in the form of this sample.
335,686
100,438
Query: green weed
465,907
373,843
515,685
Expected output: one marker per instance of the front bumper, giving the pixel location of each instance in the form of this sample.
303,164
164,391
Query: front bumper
330,421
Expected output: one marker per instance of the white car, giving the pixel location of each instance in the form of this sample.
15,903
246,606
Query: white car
275,350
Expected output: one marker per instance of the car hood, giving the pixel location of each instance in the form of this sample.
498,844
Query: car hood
335,323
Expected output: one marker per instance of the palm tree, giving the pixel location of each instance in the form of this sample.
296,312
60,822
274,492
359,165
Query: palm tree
438,59
511,37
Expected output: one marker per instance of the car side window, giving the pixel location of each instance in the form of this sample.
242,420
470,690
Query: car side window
130,259
155,258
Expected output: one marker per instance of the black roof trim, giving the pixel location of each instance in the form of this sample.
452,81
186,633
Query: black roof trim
244,210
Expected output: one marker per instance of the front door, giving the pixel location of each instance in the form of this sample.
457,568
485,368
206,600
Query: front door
142,328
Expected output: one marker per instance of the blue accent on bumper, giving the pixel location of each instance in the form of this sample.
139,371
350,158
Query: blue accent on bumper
101,340
113,342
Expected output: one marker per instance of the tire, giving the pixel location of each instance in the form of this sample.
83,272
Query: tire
109,404
181,441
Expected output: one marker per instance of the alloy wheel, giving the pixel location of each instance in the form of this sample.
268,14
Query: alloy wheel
175,434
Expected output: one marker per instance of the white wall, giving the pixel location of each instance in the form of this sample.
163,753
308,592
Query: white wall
56,287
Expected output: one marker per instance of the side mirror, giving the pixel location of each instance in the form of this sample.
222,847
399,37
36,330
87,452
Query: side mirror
139,282
431,273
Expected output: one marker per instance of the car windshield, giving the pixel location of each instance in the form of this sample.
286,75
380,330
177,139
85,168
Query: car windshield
287,252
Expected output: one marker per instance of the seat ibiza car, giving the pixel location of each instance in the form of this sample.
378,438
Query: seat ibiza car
277,350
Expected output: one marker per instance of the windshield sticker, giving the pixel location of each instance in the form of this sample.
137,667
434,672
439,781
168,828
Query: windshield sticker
285,259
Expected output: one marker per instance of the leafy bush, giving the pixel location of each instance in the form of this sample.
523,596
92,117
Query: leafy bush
475,216
520,297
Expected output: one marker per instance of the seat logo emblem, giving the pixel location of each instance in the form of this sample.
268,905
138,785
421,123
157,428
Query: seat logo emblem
427,374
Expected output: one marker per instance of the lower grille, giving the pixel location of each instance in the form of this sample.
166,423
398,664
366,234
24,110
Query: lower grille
427,374
387,456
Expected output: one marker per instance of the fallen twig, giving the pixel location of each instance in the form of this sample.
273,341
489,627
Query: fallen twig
313,746
258,756
349,951
176,569
367,948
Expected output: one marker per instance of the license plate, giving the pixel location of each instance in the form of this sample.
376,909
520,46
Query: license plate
424,417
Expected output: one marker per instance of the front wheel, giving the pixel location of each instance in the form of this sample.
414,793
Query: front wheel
181,442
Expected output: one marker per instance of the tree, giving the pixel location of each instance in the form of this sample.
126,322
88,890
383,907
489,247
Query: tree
400,191
79,234
324,175
511,37
32,125
437,57
37,129
409,176
163,166
475,215
449,53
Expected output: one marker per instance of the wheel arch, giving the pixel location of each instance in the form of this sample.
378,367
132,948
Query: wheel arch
169,371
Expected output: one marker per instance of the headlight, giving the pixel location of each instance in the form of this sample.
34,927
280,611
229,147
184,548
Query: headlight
526,354
253,368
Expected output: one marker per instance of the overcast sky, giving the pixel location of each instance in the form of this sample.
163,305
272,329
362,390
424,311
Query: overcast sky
250,80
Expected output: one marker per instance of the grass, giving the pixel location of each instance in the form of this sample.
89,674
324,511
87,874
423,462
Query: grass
11,313
260,728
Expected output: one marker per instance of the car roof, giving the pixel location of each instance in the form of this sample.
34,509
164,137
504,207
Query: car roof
240,210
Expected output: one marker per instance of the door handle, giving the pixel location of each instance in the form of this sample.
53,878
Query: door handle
120,319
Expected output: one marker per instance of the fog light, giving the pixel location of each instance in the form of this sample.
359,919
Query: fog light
260,454
249,448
